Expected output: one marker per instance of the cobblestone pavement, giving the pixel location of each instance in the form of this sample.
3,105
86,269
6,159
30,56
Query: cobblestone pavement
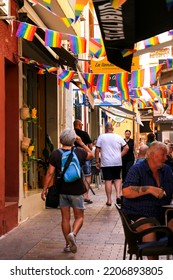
41,238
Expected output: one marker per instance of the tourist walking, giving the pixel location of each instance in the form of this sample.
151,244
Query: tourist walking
87,165
110,148
129,158
71,195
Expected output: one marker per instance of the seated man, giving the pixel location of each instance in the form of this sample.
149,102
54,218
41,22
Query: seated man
147,187
142,153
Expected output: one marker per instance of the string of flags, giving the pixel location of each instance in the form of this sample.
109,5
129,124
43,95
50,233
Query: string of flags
100,83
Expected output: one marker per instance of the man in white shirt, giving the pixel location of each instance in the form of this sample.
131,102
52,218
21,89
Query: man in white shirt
111,147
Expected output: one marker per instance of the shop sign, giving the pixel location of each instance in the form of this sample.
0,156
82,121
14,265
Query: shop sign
102,65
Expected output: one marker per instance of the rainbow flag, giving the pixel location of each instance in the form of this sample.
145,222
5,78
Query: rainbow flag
26,31
63,84
52,69
103,82
169,63
79,6
152,104
163,90
122,85
33,2
154,73
66,75
41,71
89,77
117,3
67,21
151,42
127,52
47,3
94,46
101,52
153,92
170,88
53,38
137,93
82,87
77,44
137,78
141,104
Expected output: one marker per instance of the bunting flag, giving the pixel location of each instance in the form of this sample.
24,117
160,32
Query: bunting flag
151,42
67,21
77,44
137,78
141,104
126,52
79,6
53,38
122,85
117,3
169,63
52,69
26,31
42,71
153,92
137,93
66,75
154,73
63,84
33,2
80,86
163,90
103,82
101,52
89,77
94,46
47,3
170,88
152,104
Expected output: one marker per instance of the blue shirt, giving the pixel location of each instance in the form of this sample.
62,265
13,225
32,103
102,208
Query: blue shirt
147,205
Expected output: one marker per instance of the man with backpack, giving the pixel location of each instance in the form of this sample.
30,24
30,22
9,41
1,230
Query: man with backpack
71,192
87,165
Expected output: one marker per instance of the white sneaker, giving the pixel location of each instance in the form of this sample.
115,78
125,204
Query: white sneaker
67,249
72,242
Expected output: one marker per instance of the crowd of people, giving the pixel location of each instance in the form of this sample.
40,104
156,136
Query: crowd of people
143,180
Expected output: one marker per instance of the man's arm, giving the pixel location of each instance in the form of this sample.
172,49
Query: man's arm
124,150
49,175
137,191
97,158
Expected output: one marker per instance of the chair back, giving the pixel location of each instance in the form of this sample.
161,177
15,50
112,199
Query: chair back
131,236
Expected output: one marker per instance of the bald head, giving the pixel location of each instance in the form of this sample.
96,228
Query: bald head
142,151
77,124
109,127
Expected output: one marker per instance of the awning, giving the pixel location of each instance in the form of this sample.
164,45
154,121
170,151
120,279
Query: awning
120,112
